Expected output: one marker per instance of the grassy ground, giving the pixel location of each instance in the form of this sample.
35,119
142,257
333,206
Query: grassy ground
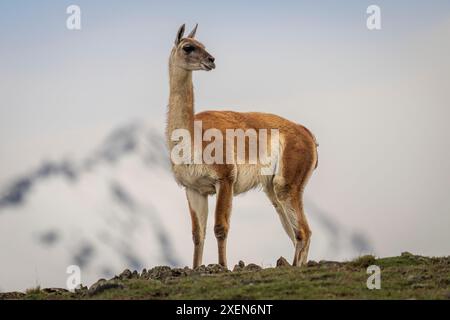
404,277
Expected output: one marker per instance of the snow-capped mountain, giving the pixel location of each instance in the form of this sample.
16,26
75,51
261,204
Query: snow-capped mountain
119,207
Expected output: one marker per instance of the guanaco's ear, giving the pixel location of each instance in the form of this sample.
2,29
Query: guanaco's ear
180,34
193,32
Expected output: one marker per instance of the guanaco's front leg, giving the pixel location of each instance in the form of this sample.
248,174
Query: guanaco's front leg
198,207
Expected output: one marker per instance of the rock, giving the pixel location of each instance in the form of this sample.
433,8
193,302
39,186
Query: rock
135,275
12,295
252,267
282,262
159,273
100,282
188,271
200,269
312,263
81,290
210,269
181,272
177,272
54,290
239,267
215,268
126,274
103,285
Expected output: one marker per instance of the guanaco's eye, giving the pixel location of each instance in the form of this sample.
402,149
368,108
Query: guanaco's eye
188,49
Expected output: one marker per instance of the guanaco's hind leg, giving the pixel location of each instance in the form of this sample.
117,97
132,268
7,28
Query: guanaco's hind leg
290,199
281,213
198,207
302,234
298,161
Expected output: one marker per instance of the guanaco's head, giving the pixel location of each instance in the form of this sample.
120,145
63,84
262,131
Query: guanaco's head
190,54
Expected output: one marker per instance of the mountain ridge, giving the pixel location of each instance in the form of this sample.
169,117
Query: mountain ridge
109,210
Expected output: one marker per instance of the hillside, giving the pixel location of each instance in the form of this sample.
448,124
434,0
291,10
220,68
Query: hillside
405,277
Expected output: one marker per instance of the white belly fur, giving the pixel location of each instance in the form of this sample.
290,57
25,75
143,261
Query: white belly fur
196,176
202,178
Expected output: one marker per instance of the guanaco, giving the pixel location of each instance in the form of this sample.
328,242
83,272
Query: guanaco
297,154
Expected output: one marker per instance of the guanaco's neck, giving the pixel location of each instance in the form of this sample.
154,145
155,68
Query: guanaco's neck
181,101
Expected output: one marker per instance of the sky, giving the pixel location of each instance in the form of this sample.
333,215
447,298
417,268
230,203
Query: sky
378,101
